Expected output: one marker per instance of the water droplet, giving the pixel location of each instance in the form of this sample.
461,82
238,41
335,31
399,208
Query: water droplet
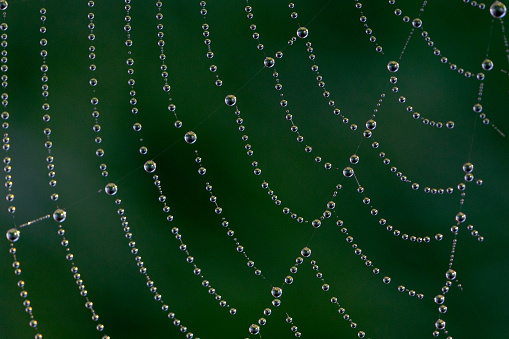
111,189
371,124
306,252
316,223
386,280
254,329
150,166
487,65
417,23
354,159
230,100
348,172
468,167
498,10
450,274
393,66
59,215
439,299
13,235
302,32
276,292
268,62
461,217
190,137
440,324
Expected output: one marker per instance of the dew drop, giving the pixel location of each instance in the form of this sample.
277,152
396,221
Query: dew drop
268,62
230,100
276,292
348,172
150,166
498,10
111,189
393,66
306,252
190,137
487,65
302,32
59,215
450,274
13,235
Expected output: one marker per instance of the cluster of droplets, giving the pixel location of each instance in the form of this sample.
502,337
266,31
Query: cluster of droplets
230,99
363,19
349,172
5,114
208,43
59,216
13,236
306,253
164,68
48,144
141,265
478,108
393,67
461,217
130,71
276,293
487,64
268,62
94,101
150,167
225,223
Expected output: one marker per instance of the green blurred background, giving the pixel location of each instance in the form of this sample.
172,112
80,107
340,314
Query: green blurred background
355,75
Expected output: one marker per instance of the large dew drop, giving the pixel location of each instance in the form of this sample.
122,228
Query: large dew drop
268,62
150,166
302,32
230,100
348,172
306,252
450,274
498,10
487,65
12,235
59,215
111,189
393,66
254,329
190,137
277,292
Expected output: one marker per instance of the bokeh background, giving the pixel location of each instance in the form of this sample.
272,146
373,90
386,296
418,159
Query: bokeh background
355,75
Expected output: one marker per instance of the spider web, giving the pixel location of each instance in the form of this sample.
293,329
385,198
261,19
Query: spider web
356,77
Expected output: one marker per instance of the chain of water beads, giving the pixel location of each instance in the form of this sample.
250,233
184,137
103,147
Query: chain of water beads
94,101
45,106
59,216
480,5
368,30
131,82
112,189
450,274
416,23
164,74
225,223
182,246
277,292
12,234
5,115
